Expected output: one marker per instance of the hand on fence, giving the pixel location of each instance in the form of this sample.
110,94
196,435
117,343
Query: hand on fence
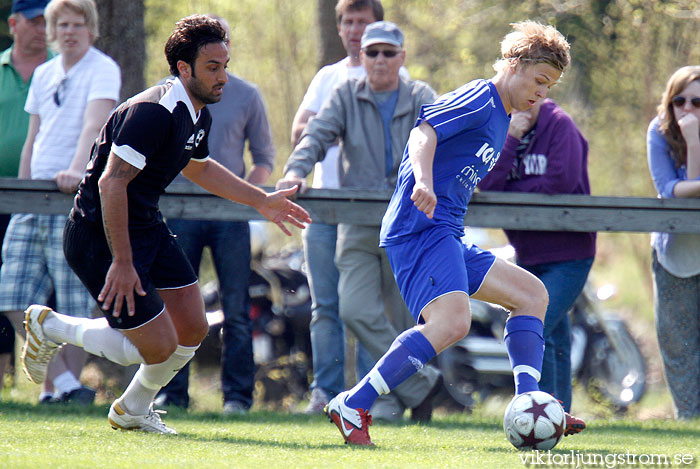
292,180
68,180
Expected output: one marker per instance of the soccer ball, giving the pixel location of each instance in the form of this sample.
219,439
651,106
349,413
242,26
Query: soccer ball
534,420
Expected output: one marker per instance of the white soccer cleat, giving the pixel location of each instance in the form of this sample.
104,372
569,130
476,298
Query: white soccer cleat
149,422
38,349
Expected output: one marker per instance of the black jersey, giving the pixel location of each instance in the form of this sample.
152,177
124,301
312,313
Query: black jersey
156,131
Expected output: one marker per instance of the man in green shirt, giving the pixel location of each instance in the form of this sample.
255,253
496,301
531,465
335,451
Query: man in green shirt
17,64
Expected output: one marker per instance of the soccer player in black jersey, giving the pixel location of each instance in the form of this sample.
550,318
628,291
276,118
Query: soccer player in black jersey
117,243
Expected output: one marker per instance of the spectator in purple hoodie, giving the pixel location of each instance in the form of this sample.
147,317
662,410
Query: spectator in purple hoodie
545,152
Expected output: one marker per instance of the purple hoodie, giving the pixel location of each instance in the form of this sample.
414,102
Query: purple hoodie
554,162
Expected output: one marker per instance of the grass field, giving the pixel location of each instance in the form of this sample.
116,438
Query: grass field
71,437
32,437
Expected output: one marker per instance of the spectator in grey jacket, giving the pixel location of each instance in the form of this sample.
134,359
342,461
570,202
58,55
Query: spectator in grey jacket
372,118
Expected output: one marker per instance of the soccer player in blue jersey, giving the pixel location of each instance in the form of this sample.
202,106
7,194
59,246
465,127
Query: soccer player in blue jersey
456,141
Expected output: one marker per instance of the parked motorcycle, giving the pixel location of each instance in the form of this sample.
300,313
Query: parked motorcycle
604,356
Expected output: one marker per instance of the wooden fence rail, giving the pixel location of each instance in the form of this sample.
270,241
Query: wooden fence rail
487,209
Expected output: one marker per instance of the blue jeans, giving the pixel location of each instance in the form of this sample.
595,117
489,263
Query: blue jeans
564,282
327,330
230,247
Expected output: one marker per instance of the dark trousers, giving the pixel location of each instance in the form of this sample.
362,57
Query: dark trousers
7,332
230,247
564,282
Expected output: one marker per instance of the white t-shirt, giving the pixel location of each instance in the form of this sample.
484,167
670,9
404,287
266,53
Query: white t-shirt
95,76
326,79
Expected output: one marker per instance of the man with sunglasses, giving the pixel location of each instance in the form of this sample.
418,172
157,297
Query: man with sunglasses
69,100
372,117
327,331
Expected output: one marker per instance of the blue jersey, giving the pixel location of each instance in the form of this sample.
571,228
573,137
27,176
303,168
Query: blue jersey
471,126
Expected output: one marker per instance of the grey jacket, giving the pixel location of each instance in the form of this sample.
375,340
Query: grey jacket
351,115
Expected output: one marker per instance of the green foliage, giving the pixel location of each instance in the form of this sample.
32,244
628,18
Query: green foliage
623,51
271,46
622,54
5,36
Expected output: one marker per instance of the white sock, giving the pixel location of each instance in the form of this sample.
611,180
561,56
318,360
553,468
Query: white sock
62,328
99,339
148,380
44,394
65,383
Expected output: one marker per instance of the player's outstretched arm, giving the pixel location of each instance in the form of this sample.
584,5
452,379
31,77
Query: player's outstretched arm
274,206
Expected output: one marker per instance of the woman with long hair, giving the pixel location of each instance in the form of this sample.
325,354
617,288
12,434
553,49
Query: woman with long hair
673,152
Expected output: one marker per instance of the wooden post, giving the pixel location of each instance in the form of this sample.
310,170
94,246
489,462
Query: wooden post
331,48
123,37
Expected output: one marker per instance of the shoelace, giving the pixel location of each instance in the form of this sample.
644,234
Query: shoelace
154,417
365,418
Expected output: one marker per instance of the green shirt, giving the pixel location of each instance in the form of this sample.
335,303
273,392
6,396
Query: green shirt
14,121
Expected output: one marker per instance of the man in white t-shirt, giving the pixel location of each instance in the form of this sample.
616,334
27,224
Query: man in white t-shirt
327,331
69,100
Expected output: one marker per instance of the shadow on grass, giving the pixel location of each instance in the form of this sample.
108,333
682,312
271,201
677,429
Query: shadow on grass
631,426
9,409
17,410
335,443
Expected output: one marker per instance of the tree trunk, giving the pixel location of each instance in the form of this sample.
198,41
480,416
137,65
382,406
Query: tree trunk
123,37
5,36
331,48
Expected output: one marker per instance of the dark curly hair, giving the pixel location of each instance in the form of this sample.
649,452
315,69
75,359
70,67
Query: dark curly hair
190,35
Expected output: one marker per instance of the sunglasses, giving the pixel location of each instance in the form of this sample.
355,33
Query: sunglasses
679,101
60,90
390,53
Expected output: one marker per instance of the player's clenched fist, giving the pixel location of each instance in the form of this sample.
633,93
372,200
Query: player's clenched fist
424,199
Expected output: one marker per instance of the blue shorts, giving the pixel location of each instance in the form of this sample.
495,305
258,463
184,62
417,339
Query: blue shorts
430,265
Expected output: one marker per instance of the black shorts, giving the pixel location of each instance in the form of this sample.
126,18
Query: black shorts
158,259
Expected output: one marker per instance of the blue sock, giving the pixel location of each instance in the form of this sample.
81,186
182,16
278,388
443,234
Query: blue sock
409,352
525,345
